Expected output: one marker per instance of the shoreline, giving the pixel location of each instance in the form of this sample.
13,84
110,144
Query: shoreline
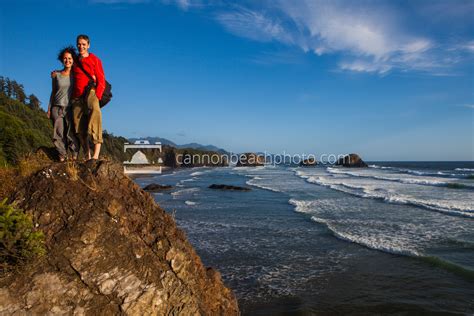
231,220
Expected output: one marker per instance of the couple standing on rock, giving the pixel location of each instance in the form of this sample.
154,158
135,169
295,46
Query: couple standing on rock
74,103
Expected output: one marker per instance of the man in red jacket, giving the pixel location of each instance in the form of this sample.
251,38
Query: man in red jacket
86,108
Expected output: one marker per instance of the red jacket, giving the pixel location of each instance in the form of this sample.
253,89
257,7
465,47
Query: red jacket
93,66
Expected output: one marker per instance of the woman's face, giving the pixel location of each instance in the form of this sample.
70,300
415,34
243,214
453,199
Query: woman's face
67,60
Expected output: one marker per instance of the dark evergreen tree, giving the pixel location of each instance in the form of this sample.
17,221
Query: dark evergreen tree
34,102
8,88
3,86
19,92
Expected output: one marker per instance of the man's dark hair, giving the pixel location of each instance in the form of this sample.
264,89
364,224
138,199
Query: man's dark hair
70,49
83,36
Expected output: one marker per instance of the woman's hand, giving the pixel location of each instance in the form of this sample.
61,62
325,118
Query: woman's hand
49,113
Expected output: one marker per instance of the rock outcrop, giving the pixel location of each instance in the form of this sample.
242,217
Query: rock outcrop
250,160
155,187
110,250
189,158
228,187
310,162
351,160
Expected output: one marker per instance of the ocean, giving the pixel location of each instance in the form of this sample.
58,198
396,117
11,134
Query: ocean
394,238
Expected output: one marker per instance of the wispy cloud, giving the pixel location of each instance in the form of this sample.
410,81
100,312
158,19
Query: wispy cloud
470,106
254,25
369,39
467,46
368,36
183,4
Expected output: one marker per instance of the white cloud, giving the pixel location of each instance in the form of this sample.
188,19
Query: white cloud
254,25
333,28
364,66
183,4
469,46
368,37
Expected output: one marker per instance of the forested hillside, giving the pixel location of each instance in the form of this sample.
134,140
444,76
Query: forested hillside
23,125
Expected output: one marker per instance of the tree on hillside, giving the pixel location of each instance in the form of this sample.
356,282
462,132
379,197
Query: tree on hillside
8,88
34,102
19,92
3,85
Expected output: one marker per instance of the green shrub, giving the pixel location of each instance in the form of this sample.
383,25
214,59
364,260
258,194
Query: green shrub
19,242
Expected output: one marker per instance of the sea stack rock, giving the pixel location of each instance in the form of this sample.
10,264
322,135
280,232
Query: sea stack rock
228,187
155,187
310,162
111,250
351,160
250,160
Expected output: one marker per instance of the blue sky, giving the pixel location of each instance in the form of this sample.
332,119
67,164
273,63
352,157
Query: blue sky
390,80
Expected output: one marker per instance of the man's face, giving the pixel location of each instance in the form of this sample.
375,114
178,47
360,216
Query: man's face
82,46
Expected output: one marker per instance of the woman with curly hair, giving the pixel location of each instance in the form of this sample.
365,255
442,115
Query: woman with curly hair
59,109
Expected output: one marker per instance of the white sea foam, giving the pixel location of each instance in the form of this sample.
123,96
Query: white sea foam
190,203
372,241
369,191
429,173
422,173
346,221
249,168
260,185
302,206
254,177
380,167
185,191
302,174
420,181
443,207
189,180
197,173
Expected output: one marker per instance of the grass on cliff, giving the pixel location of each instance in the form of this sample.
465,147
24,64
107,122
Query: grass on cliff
19,241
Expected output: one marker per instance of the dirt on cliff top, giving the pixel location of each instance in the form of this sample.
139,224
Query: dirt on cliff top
110,250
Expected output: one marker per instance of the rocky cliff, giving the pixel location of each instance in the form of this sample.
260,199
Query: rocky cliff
250,160
110,250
